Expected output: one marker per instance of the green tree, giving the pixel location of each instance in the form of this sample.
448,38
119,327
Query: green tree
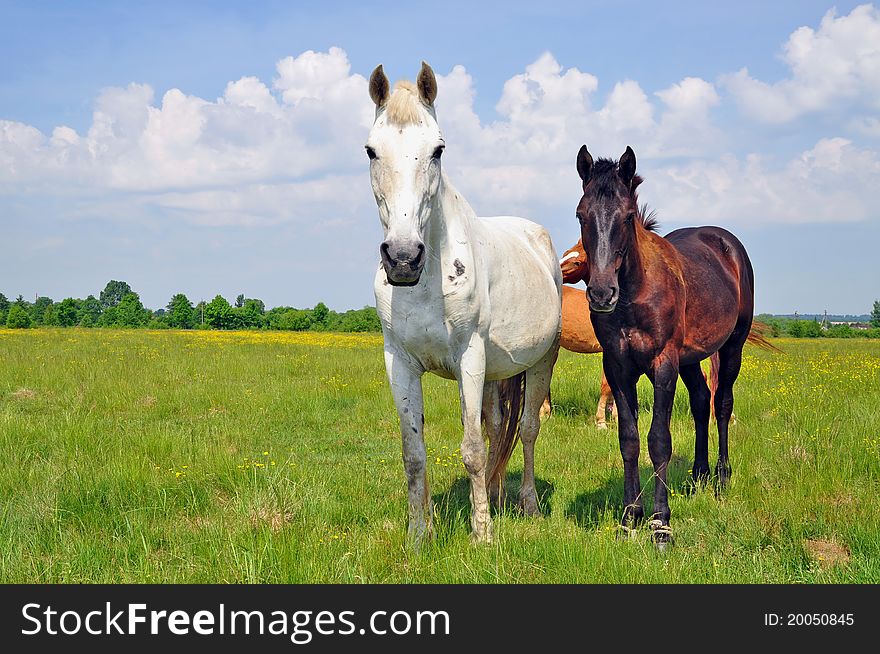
812,329
239,301
218,313
180,312
4,308
18,317
38,310
130,312
251,313
297,320
320,314
50,315
89,312
67,312
875,314
360,320
113,293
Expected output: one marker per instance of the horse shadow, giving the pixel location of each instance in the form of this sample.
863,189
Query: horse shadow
587,509
453,506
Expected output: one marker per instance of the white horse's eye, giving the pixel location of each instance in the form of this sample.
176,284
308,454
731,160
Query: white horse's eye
371,153
438,151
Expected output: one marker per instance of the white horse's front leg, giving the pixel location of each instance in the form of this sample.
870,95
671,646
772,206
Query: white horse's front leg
473,446
405,378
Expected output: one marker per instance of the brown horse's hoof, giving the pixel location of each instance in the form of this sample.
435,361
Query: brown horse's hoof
722,477
662,535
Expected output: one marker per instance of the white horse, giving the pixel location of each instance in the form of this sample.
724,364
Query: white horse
471,299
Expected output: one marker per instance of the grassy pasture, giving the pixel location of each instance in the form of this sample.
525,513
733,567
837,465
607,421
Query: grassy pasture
275,457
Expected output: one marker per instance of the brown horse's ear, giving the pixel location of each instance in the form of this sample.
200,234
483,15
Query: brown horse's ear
379,86
627,166
584,164
427,84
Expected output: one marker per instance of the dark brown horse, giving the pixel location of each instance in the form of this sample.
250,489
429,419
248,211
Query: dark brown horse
659,306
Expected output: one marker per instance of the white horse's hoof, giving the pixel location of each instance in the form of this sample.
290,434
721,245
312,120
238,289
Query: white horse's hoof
483,536
418,536
529,505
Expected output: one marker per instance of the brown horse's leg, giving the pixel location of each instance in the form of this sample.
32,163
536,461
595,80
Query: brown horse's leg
623,384
730,361
606,401
664,376
695,381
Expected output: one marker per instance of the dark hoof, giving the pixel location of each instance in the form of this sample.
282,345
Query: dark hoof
700,473
722,477
633,515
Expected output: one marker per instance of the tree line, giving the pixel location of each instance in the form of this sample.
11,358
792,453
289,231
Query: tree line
783,326
119,306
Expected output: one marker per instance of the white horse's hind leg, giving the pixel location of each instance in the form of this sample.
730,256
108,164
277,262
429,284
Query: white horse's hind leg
473,446
406,386
492,421
537,387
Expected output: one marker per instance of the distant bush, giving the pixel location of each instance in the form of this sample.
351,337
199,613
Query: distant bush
18,317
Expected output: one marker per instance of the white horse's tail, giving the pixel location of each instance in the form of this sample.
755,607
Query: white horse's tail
512,400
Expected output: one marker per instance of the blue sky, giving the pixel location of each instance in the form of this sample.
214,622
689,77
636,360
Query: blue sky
210,147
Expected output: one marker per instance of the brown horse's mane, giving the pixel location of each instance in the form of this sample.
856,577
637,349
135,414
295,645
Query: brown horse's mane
603,178
648,216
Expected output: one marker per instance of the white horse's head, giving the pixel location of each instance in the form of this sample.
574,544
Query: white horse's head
404,147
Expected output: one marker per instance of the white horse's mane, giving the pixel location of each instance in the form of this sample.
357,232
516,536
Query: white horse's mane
403,106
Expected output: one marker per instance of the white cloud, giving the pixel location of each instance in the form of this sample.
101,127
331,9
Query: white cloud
291,151
307,131
836,65
830,183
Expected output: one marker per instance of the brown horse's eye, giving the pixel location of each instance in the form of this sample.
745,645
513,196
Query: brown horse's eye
630,217
371,153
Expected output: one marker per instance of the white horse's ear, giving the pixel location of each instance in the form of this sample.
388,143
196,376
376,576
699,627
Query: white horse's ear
427,85
379,86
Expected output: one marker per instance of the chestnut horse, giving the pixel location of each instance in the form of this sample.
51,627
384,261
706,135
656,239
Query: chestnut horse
659,306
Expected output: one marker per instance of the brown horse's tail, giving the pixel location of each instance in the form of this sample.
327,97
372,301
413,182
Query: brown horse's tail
512,395
756,337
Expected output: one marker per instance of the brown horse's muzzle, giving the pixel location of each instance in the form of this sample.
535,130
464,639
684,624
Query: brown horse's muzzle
603,294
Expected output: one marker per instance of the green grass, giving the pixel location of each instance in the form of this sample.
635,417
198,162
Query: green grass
208,457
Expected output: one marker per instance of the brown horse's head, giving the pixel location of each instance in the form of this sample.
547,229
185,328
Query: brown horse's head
609,215
574,264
